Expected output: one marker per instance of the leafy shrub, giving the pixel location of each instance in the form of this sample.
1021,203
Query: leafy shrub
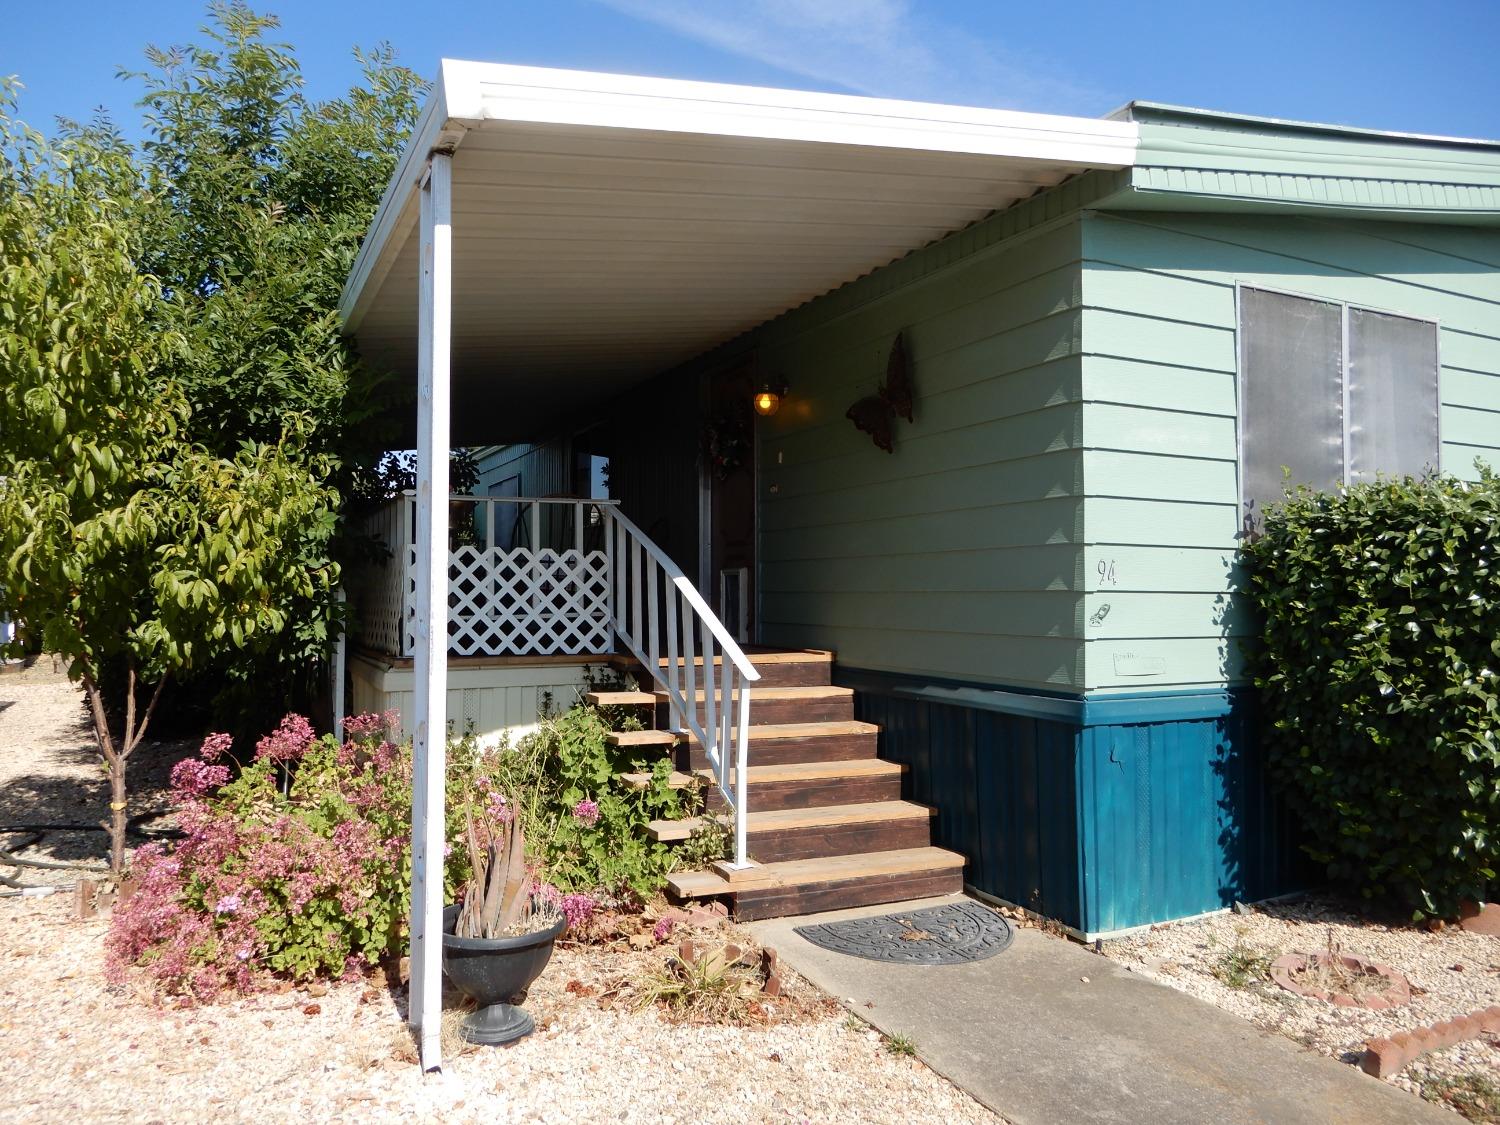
1377,676
587,829
300,866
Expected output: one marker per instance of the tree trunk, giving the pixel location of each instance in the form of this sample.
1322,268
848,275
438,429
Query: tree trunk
118,821
117,756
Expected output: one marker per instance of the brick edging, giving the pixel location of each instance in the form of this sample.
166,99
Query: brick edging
1383,1057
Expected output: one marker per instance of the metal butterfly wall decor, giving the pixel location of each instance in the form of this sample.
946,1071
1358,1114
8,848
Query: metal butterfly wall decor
876,414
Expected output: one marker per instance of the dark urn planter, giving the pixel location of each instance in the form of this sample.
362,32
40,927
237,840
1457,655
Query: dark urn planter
490,972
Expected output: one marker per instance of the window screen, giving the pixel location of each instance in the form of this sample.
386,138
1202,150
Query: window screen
1311,414
1292,402
1393,395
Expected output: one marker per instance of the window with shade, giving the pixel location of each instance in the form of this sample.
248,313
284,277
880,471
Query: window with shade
1330,394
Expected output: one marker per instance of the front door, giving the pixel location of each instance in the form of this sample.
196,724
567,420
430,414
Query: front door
731,472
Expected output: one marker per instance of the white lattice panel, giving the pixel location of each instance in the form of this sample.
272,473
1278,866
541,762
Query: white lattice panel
380,593
521,602
382,608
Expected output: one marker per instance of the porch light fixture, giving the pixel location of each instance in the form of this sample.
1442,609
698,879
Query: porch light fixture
767,400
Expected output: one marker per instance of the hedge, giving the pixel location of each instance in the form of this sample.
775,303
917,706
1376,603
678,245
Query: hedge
1377,669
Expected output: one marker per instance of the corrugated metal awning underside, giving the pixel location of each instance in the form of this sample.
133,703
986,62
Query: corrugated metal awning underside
589,254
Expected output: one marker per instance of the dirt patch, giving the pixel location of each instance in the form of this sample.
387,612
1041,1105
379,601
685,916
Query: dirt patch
1341,979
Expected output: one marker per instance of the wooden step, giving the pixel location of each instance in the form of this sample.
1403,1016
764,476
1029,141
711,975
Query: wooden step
785,705
777,668
781,743
621,698
677,780
804,886
785,834
803,785
643,738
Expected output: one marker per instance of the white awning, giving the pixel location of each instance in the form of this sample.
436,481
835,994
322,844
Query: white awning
606,227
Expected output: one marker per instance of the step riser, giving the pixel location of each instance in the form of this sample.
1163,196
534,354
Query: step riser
771,796
844,839
782,902
816,673
788,751
766,712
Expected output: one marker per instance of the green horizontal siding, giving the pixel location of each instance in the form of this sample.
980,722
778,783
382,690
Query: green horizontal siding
958,556
1021,569
1159,467
1114,567
1048,663
1158,386
1058,521
1161,523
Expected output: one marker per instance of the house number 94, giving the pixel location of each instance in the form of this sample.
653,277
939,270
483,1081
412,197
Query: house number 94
1107,575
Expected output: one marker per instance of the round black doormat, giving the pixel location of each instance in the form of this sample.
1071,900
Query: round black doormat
951,934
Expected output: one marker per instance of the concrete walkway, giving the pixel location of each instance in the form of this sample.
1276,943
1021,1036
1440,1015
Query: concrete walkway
1048,1033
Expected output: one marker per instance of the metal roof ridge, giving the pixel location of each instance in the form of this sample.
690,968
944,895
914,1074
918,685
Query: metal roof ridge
1127,112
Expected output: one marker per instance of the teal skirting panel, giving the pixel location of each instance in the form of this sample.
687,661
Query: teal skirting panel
1101,825
1004,788
1176,819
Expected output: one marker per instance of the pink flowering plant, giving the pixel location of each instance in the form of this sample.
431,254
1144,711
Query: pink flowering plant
300,880
299,866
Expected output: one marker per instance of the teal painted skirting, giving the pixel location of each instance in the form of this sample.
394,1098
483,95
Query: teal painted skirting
1104,814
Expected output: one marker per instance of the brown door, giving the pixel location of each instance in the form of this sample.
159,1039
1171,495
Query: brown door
731,468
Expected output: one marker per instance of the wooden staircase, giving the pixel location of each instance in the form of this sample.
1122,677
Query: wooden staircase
827,827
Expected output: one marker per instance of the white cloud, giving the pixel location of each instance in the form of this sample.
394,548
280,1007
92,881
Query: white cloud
881,47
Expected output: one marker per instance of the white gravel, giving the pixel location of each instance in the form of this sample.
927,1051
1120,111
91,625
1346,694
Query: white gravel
1452,973
74,1049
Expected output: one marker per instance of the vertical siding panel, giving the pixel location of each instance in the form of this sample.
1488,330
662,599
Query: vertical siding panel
1005,790
1180,820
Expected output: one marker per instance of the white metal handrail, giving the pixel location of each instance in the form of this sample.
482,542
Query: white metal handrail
655,606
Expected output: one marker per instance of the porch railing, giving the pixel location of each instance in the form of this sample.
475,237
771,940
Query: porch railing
539,576
664,622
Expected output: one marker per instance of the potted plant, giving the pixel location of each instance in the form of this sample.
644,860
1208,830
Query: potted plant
499,939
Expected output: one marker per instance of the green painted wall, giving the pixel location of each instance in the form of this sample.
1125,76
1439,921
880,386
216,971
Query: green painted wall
958,555
543,469
1158,383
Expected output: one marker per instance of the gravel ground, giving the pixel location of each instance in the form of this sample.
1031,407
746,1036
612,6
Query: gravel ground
72,1048
51,772
1452,973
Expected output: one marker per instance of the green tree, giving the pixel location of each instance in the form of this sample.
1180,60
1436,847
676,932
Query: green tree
258,200
120,538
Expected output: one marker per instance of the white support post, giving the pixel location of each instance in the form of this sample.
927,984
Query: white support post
430,727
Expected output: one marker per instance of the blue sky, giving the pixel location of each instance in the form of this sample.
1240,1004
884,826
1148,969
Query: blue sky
1379,63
